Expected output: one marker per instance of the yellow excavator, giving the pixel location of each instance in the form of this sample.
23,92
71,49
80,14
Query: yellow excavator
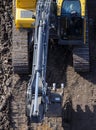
35,22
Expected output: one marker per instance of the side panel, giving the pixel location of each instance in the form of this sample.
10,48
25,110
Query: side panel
83,7
25,13
24,18
59,6
26,4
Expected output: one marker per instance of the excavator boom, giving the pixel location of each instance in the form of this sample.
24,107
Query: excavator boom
38,79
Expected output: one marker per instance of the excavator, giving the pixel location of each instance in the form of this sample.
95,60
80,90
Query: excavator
35,23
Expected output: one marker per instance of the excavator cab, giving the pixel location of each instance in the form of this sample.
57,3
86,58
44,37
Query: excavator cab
71,23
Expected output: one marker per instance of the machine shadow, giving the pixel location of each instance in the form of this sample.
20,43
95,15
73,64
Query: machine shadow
82,118
58,58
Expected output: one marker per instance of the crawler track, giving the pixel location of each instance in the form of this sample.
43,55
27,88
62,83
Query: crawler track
81,57
20,51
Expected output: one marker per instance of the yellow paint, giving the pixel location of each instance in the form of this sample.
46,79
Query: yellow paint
23,22
83,7
31,5
26,4
59,6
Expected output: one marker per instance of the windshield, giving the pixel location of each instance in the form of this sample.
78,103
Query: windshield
71,6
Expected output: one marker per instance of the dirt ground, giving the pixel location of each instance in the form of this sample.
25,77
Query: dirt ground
79,104
5,61
79,112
